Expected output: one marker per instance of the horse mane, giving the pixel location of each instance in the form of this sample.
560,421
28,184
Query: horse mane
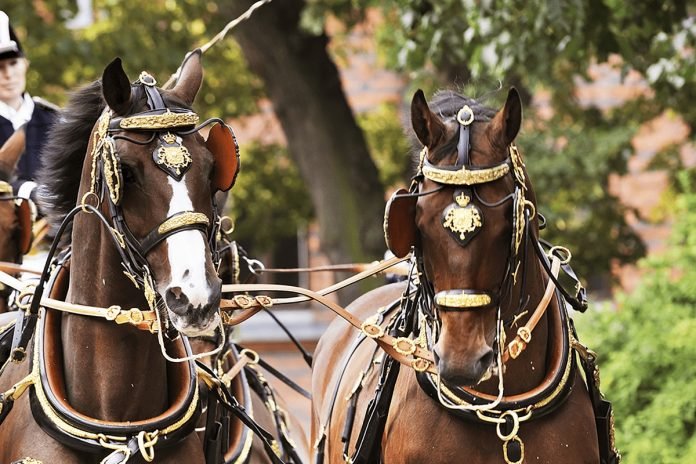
66,148
65,151
445,104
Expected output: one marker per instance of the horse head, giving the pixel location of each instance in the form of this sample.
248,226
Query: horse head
156,176
462,215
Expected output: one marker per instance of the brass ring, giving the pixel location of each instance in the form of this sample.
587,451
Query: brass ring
561,253
251,354
83,202
372,330
515,425
505,452
531,207
462,112
230,229
27,291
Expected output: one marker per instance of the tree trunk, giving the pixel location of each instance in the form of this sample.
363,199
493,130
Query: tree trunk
324,139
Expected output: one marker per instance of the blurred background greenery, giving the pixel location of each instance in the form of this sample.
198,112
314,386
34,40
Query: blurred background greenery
478,47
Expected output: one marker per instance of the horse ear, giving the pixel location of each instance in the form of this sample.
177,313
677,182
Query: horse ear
508,120
190,77
427,126
116,87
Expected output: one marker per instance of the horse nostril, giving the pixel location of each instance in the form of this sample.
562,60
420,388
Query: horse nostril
176,300
486,360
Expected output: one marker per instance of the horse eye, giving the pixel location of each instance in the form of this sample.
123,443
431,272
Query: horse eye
127,174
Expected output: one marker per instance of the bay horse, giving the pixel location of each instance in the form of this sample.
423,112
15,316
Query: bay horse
131,158
505,385
16,214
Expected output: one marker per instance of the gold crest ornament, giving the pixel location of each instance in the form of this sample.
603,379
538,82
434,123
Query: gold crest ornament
171,156
462,219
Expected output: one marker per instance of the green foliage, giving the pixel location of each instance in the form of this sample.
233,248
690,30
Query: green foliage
152,36
388,145
570,172
269,199
647,351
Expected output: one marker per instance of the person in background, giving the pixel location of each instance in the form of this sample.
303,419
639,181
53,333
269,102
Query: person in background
18,108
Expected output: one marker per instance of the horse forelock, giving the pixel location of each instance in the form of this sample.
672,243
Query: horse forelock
66,148
445,104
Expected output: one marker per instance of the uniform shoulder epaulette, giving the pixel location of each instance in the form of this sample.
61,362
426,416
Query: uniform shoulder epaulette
46,104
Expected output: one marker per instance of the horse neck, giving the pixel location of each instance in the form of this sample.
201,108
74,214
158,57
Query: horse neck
112,372
528,370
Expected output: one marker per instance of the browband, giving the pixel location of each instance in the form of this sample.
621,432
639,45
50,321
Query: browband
462,175
163,118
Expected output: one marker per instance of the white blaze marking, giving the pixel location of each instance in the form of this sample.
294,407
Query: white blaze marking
186,250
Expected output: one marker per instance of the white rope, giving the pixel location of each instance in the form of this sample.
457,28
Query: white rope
219,36
446,402
191,357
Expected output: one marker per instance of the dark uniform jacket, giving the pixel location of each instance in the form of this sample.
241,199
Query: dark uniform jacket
42,118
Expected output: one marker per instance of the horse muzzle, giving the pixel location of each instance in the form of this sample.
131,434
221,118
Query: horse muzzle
193,317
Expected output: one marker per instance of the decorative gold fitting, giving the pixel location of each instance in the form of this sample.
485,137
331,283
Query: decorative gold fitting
372,330
135,316
119,238
176,156
182,220
463,300
25,296
18,355
146,78
243,301
112,312
264,301
525,334
131,277
28,460
165,120
518,164
154,327
5,187
515,425
404,346
505,452
462,220
515,348
561,253
420,364
251,354
465,115
464,176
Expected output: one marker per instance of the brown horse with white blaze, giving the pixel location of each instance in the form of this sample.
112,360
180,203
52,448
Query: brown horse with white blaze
132,156
482,296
